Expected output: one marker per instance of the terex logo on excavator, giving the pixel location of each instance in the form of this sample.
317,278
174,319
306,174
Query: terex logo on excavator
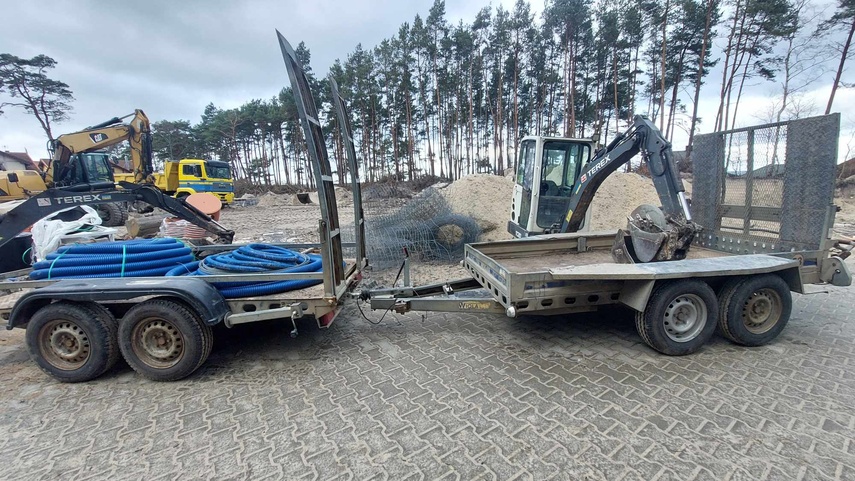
71,199
596,168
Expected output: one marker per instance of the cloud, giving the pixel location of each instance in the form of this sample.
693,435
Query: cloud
173,58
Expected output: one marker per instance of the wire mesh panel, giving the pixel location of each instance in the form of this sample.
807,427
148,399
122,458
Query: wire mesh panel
767,188
423,223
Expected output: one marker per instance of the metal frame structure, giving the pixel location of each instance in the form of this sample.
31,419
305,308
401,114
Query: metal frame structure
805,214
329,225
346,132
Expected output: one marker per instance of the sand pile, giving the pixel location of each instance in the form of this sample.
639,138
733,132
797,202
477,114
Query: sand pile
343,196
269,199
486,198
619,195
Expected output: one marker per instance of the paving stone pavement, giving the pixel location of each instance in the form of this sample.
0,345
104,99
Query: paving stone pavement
453,397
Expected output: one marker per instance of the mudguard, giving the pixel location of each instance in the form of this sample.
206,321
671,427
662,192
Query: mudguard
196,293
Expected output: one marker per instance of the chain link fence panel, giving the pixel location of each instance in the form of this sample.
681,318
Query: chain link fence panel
767,188
422,223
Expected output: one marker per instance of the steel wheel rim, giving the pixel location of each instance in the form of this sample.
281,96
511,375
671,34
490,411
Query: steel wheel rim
685,317
762,311
64,345
157,343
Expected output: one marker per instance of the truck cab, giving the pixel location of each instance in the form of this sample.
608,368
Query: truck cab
190,176
547,173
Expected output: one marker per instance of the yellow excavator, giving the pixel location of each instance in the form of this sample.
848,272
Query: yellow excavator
76,178
73,162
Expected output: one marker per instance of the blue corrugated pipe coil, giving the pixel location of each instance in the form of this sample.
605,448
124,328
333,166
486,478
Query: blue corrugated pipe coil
254,259
170,257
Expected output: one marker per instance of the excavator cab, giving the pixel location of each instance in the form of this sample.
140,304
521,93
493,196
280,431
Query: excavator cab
548,169
87,171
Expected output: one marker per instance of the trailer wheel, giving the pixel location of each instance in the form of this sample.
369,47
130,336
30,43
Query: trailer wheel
164,340
112,214
680,317
72,342
755,310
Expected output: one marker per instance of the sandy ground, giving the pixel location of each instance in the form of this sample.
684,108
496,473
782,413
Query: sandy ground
277,219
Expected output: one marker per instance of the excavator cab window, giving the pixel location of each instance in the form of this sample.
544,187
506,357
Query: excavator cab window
85,170
97,168
561,163
525,167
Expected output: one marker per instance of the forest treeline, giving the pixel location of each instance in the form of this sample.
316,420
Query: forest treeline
445,99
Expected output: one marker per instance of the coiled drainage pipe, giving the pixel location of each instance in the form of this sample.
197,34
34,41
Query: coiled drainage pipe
254,259
170,257
141,258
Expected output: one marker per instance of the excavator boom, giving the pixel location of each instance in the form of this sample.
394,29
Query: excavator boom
55,200
642,137
654,235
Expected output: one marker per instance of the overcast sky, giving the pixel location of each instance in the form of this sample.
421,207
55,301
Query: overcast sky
171,58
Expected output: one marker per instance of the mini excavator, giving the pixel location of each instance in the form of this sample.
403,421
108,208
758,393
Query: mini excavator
557,178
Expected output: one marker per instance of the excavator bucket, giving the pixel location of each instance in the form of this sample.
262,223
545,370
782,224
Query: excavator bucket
652,237
304,198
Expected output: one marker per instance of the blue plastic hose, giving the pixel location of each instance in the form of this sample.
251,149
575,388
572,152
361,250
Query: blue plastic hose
170,257
254,258
113,259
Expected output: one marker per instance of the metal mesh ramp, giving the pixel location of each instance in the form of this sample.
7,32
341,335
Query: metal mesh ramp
745,179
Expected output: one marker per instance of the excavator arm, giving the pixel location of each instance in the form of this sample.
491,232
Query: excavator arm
55,200
655,234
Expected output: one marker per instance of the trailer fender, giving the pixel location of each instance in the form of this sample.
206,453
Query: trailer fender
635,293
196,293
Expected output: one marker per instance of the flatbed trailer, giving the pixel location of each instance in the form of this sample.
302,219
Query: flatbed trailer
768,237
162,325
564,274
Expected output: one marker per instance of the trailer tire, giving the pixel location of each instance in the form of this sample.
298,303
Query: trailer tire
72,342
164,340
693,303
754,310
112,214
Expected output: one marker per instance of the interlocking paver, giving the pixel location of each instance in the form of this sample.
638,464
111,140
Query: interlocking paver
454,396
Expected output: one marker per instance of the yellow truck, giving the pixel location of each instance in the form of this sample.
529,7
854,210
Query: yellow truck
190,176
14,185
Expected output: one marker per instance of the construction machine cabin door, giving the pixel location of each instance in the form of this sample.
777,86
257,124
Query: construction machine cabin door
523,181
560,163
